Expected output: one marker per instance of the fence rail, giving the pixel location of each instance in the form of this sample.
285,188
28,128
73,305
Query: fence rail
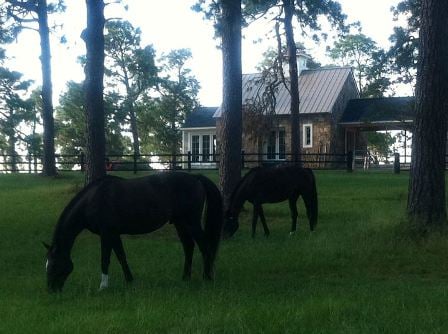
189,161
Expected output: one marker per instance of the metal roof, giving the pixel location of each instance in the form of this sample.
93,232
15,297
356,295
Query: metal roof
379,111
201,117
318,90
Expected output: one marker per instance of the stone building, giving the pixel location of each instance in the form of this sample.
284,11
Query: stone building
324,94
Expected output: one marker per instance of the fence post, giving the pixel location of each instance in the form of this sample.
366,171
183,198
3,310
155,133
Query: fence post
397,163
350,161
189,161
82,162
242,159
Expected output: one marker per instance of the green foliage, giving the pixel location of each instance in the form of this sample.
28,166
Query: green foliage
71,126
14,110
130,68
307,12
379,144
359,272
161,118
405,41
128,64
34,139
370,63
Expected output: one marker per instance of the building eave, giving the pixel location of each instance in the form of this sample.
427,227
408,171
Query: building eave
199,128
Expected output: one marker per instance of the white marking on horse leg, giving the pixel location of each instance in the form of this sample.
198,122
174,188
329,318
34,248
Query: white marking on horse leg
104,281
46,265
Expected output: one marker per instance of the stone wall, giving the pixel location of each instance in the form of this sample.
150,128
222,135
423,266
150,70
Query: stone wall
328,136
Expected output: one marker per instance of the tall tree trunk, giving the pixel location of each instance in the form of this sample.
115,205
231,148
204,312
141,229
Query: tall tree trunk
174,144
426,200
134,130
11,150
231,129
49,164
131,112
288,6
12,153
94,38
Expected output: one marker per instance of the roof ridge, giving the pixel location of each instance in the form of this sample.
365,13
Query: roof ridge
311,69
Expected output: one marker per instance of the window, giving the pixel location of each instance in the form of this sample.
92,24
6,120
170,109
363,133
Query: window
276,145
195,148
307,135
281,144
203,147
271,145
206,148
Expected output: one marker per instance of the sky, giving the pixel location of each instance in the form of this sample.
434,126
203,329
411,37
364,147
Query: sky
171,24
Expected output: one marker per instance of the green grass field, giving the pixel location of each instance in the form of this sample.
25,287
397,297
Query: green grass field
360,272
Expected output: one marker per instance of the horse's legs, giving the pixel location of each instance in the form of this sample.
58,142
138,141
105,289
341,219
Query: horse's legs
294,214
263,221
188,245
121,255
199,236
255,218
106,250
258,212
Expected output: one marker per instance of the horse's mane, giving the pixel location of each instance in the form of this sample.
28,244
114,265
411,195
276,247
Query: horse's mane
80,194
238,186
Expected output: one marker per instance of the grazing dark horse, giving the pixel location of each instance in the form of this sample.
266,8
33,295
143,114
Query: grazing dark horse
271,185
112,206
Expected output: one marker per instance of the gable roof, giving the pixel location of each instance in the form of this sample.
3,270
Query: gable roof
318,90
201,117
379,111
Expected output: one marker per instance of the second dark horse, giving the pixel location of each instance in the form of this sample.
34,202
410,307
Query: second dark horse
271,185
112,206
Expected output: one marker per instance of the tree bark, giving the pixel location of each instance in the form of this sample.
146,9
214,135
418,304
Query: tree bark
93,36
288,6
134,129
426,199
49,163
231,129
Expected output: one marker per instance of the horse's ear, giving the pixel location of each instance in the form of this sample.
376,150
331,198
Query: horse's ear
47,246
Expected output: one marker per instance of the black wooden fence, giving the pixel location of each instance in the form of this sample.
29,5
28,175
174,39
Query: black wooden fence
189,161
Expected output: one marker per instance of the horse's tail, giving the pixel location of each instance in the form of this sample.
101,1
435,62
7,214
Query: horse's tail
312,205
213,215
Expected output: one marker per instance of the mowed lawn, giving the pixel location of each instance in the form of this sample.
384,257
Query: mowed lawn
359,272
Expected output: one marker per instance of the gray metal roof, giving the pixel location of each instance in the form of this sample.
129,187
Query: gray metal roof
318,90
200,117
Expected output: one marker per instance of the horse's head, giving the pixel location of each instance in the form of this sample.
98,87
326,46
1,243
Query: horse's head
58,267
230,225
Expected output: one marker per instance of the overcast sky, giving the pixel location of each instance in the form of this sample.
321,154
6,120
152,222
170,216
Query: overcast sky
171,24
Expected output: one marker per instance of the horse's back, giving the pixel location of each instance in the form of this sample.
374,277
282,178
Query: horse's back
141,205
276,184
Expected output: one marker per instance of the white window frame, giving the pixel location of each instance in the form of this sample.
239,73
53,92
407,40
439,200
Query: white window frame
211,147
304,131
